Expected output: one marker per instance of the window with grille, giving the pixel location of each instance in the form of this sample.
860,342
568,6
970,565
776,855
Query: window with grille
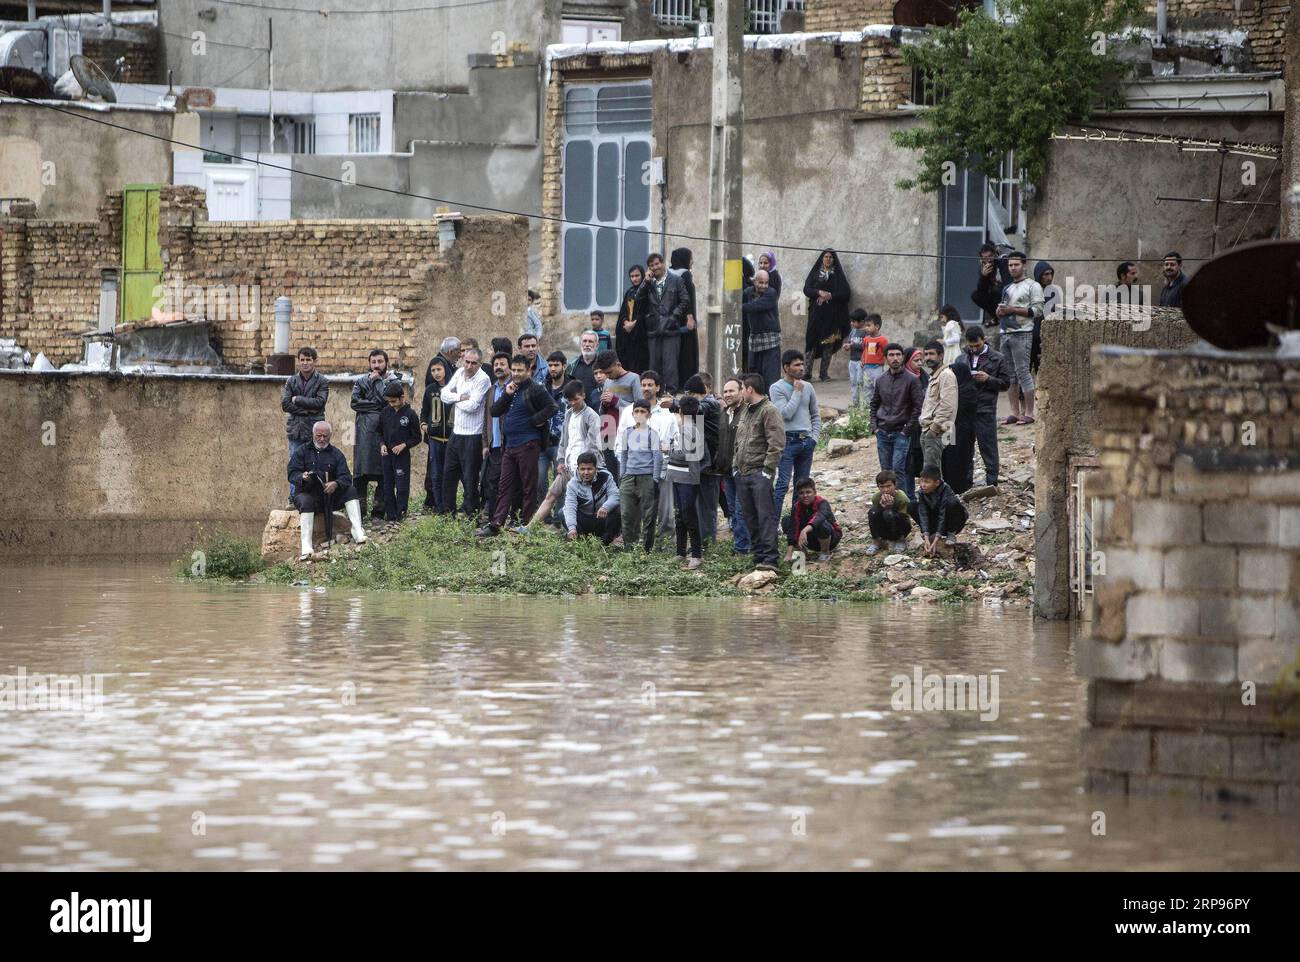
303,137
606,191
675,13
363,134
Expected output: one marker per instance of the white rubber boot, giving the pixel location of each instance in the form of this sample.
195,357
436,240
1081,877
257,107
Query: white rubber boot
353,509
305,522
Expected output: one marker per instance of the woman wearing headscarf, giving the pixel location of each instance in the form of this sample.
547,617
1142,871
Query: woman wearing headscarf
915,457
958,464
688,354
827,290
767,262
630,341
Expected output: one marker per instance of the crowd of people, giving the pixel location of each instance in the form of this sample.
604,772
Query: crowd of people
628,441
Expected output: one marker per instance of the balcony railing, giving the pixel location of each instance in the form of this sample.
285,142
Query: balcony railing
762,16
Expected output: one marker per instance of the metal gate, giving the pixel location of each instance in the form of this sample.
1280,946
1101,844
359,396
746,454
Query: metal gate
141,259
964,211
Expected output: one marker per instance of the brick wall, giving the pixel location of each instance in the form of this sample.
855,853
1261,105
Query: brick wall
1264,21
142,62
356,284
847,14
886,78
1198,578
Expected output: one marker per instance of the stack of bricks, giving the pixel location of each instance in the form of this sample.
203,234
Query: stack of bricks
1193,654
846,14
1264,22
886,77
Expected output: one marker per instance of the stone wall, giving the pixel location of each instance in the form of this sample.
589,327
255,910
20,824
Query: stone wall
356,284
1290,176
1193,652
1067,412
130,465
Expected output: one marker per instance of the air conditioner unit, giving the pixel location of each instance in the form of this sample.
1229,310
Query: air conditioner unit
64,44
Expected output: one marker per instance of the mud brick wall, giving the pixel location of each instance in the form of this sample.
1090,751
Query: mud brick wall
886,78
1197,577
355,284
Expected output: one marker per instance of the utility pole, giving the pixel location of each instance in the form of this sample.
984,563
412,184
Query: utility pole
270,83
722,332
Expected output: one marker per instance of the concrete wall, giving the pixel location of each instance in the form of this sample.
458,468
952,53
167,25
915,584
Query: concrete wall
426,49
1196,637
1067,413
66,162
1099,197
818,172
131,465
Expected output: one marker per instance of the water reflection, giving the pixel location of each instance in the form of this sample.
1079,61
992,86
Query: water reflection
292,728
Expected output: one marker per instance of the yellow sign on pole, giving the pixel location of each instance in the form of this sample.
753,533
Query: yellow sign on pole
733,276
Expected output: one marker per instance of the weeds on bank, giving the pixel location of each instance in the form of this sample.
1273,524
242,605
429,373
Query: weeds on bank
220,555
443,554
859,427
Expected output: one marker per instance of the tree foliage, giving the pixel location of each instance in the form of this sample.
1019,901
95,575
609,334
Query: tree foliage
1007,84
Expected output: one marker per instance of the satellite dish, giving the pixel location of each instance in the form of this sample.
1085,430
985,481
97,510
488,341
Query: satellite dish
22,82
1234,299
92,78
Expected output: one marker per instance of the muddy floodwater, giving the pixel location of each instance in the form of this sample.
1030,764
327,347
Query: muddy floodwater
287,728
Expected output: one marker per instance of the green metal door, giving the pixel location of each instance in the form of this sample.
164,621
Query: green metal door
141,260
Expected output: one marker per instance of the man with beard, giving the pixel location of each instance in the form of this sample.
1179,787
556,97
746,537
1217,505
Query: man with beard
493,436
368,401
524,412
303,399
583,367
764,338
939,409
1171,294
324,483
466,392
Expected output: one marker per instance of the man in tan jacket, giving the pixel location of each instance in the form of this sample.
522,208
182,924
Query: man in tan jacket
939,409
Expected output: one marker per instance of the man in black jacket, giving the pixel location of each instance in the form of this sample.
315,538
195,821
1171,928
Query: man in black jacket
992,376
525,410
303,399
993,278
896,400
666,304
325,482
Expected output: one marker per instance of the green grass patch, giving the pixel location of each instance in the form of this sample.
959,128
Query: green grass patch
220,555
859,427
443,554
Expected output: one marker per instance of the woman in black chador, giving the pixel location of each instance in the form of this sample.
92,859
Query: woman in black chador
827,290
688,355
630,339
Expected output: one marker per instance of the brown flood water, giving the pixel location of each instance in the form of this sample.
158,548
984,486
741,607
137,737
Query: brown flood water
536,733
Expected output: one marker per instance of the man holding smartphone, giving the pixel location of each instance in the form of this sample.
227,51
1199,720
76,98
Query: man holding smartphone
989,371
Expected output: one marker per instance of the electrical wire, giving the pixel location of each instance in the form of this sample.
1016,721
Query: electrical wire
552,218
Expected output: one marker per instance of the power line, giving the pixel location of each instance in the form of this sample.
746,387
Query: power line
757,245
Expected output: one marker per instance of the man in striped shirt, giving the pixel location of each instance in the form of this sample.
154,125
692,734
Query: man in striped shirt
467,393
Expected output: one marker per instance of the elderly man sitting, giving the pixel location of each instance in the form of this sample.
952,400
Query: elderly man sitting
324,483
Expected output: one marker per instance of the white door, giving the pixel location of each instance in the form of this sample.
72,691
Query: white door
232,191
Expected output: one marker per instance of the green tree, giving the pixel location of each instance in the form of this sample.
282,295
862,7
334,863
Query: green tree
1007,84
